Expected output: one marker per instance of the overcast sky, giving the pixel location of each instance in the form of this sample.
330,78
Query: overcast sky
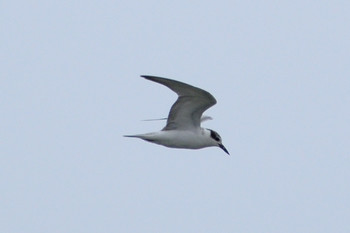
70,87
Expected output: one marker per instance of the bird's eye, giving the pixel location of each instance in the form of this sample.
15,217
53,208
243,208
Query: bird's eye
215,136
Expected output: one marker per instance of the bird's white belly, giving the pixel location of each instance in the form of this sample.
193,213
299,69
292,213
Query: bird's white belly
181,139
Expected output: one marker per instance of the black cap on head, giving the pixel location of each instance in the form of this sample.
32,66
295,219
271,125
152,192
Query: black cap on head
214,135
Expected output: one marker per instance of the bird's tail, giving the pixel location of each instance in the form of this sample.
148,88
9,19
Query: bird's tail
133,136
159,119
147,136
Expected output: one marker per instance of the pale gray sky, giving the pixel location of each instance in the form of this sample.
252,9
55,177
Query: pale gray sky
70,88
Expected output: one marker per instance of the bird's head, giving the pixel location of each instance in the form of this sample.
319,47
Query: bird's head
216,139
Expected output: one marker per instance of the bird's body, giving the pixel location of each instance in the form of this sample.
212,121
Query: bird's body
184,139
183,123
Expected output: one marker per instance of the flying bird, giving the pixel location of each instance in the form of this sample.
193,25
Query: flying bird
183,127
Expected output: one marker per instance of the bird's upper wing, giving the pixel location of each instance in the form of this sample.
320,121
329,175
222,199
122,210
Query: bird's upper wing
186,112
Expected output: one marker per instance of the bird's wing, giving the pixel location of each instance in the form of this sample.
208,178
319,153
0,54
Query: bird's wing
186,112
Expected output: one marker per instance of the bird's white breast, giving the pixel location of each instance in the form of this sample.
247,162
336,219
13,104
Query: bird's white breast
183,139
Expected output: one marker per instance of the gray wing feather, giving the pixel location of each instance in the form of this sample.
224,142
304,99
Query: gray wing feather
192,101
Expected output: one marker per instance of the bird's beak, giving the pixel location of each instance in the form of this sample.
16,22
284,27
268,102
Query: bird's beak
224,149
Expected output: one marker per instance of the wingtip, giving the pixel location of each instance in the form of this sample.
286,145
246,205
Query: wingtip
151,77
147,77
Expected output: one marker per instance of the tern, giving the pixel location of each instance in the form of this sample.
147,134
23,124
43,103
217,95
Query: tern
183,127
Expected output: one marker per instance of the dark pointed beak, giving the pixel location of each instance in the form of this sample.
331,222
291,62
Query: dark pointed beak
224,149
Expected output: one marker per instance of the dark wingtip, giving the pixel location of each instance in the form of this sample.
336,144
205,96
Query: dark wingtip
147,76
151,77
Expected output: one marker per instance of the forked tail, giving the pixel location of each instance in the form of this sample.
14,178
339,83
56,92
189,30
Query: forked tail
148,137
134,136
